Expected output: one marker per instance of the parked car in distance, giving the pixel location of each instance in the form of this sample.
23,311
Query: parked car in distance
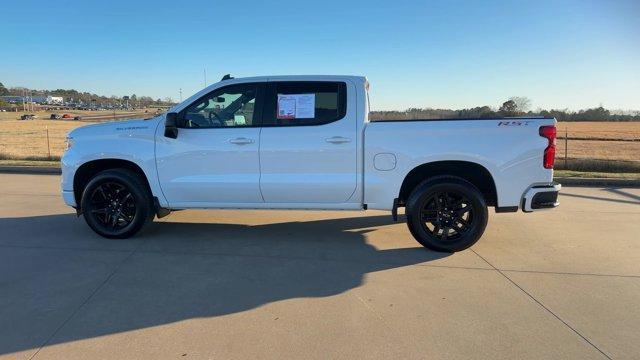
77,117
67,116
28,117
306,142
54,116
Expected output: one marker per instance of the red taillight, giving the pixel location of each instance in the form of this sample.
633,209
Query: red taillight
549,157
549,132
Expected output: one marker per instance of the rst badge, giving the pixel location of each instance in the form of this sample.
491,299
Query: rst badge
514,123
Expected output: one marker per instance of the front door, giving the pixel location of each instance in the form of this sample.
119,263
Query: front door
214,160
308,143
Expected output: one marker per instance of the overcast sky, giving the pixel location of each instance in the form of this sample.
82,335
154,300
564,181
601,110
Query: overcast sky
441,54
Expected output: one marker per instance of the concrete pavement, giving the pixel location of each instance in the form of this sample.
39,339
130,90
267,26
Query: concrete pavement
317,285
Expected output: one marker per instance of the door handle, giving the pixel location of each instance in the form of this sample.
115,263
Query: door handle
337,140
241,141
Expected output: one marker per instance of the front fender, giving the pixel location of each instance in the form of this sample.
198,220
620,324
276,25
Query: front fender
136,146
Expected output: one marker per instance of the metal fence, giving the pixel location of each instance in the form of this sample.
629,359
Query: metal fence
607,151
44,144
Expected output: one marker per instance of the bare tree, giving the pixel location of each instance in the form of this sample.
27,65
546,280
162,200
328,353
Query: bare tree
522,103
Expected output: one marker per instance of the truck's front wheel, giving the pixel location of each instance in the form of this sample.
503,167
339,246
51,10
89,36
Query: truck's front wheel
116,203
446,214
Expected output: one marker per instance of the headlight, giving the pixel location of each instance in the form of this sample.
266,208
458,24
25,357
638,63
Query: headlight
68,142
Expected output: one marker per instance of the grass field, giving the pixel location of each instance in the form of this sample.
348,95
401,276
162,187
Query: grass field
605,150
592,149
601,129
85,114
28,139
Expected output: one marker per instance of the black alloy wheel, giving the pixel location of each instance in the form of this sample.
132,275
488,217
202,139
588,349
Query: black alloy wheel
446,214
113,205
116,203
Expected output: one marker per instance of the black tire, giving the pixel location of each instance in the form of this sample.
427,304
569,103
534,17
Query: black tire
446,205
116,203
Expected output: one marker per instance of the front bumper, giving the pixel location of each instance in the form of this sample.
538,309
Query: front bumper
541,197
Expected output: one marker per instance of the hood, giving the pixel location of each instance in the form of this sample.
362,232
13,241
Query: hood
113,127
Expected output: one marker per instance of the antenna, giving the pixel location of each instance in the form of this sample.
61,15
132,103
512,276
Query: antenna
205,76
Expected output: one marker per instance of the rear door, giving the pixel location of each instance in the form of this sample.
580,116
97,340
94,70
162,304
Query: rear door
308,142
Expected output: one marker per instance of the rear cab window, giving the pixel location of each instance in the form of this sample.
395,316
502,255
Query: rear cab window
301,103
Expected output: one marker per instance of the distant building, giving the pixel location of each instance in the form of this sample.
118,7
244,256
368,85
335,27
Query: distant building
12,99
51,100
55,100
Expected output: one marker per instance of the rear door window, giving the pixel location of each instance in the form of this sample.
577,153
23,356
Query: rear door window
300,103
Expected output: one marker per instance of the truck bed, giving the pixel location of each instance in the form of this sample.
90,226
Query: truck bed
510,149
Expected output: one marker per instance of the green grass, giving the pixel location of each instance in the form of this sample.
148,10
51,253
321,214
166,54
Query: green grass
35,159
34,163
594,174
598,165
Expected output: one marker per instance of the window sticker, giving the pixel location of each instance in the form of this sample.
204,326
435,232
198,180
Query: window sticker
296,106
286,106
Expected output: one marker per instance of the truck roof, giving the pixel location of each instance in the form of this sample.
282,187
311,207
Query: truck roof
354,78
299,77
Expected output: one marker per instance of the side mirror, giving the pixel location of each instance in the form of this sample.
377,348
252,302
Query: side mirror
171,125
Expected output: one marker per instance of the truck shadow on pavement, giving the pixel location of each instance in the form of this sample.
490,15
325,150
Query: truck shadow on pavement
62,283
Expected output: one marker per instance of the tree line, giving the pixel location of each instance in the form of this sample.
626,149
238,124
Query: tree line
514,107
71,95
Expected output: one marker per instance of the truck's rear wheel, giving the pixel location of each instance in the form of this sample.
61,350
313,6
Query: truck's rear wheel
116,203
446,214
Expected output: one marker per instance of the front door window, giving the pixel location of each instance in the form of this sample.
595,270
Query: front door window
231,106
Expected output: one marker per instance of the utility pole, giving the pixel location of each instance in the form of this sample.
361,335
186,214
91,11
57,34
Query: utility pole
205,76
180,94
48,146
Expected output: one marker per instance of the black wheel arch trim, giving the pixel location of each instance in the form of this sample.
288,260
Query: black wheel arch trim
481,178
85,172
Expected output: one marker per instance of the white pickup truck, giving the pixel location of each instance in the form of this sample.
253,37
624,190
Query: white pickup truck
306,142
